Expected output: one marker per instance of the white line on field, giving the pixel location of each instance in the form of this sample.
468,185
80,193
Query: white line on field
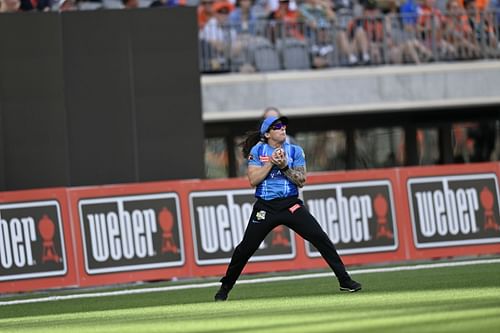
248,281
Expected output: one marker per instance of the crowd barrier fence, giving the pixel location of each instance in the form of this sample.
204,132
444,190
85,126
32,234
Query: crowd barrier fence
370,39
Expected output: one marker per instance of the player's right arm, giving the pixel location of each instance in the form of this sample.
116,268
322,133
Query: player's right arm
258,168
256,174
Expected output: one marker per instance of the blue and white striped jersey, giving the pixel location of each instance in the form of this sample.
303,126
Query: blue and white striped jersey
276,185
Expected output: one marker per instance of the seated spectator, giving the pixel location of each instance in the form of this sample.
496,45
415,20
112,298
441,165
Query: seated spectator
373,25
38,5
26,5
244,21
205,12
315,14
458,32
483,29
10,6
273,5
216,39
430,29
67,5
130,4
402,45
351,38
243,18
409,12
263,8
284,23
481,5
317,17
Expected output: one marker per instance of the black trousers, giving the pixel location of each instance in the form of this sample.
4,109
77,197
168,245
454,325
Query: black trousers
282,212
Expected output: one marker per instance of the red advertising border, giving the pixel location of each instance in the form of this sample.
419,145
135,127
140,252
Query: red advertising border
76,275
449,251
70,279
77,194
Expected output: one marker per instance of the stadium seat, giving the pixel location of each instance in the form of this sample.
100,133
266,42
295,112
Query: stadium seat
265,56
294,54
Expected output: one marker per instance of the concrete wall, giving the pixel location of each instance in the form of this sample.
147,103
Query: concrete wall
347,90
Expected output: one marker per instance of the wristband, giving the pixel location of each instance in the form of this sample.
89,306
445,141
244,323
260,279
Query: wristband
285,168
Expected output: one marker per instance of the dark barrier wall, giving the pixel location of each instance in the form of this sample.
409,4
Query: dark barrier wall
32,108
167,94
2,164
100,97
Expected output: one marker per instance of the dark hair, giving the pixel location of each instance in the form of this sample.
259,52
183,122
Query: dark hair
251,139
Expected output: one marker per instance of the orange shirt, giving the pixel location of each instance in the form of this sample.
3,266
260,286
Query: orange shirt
290,20
373,26
480,4
459,23
425,16
203,17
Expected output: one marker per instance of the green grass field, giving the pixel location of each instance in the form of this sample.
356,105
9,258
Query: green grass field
453,299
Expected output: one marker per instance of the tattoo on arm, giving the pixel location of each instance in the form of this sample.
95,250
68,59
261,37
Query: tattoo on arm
297,175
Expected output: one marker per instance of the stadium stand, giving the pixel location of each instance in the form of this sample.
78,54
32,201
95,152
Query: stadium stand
406,31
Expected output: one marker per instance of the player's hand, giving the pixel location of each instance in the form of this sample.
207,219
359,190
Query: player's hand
278,158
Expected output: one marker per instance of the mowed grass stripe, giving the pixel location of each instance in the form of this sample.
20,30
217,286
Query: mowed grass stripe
454,299
293,314
65,295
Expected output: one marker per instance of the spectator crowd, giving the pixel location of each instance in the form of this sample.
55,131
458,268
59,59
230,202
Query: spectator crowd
260,35
266,35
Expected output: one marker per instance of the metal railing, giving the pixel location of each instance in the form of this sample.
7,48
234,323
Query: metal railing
268,45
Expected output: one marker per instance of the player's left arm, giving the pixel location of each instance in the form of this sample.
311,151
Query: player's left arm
296,173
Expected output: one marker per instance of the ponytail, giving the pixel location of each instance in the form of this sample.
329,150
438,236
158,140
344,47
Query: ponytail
251,139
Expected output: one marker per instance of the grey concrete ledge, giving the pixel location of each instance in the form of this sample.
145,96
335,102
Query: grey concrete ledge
347,90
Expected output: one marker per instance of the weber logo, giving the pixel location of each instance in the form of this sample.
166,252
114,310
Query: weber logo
31,240
454,210
219,220
131,233
358,217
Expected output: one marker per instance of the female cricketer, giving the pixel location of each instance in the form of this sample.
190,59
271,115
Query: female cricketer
277,169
